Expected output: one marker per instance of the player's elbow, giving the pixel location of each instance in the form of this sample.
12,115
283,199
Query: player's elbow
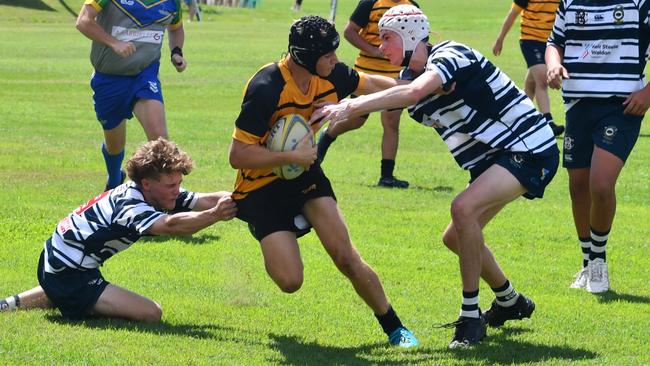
414,95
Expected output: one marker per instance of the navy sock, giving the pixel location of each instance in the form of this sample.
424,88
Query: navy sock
387,168
585,245
113,167
389,321
548,117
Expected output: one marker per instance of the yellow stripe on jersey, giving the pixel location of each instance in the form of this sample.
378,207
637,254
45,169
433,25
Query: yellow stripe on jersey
370,32
537,19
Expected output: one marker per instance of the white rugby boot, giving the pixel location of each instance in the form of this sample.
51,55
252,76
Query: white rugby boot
580,280
598,280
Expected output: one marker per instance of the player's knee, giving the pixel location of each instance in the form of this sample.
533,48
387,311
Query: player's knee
348,263
153,314
291,285
461,210
601,191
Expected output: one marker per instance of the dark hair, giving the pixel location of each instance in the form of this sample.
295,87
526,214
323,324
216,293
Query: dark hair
158,157
310,38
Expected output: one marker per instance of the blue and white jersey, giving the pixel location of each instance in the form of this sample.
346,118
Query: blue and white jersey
104,226
605,44
485,113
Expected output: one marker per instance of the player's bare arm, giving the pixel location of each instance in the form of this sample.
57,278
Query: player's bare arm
556,72
186,223
351,34
251,156
176,41
87,25
638,102
208,200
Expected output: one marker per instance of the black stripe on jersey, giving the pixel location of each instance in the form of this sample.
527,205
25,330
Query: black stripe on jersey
588,68
619,77
294,105
372,57
374,70
249,178
75,232
550,27
147,222
62,255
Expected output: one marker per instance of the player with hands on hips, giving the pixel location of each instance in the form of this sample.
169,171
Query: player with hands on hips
597,54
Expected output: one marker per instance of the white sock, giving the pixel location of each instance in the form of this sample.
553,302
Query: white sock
10,303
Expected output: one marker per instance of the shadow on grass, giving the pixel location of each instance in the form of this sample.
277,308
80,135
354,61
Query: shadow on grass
613,296
30,4
437,189
187,239
296,351
499,347
72,12
198,331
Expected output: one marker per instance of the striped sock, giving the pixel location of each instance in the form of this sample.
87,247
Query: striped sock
469,309
10,303
585,245
506,295
598,244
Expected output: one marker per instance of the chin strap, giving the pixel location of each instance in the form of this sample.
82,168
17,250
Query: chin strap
407,58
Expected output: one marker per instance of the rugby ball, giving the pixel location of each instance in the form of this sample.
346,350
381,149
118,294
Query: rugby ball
285,135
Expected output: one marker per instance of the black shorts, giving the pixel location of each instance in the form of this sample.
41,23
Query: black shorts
600,122
278,205
73,292
533,52
534,172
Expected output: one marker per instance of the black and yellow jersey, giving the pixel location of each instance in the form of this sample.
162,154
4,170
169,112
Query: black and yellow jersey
272,93
537,18
367,15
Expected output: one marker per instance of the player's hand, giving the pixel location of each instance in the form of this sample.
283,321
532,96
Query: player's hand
179,62
376,52
305,152
225,208
497,47
124,49
637,103
555,75
335,113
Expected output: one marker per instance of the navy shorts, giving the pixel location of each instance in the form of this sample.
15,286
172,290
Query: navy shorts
599,122
115,95
72,291
278,205
534,172
533,52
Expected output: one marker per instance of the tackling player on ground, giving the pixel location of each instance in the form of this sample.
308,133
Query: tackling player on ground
279,211
152,203
491,128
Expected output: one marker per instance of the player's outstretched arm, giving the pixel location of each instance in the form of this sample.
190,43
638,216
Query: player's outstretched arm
375,83
176,41
187,223
209,200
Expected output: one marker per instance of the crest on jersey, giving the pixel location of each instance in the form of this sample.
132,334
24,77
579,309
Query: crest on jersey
618,14
581,17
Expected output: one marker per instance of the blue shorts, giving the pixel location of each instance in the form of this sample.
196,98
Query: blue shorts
533,52
115,95
598,122
534,172
73,292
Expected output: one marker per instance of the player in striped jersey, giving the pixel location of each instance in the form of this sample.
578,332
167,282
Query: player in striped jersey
363,33
152,203
279,211
597,54
536,25
127,40
491,128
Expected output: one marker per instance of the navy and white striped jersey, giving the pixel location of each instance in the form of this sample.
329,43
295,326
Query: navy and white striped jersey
605,44
485,113
104,226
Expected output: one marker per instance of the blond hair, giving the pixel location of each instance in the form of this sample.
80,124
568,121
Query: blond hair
158,157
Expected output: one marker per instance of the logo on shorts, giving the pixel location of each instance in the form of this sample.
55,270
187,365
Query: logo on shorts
568,142
618,14
309,189
153,86
581,17
516,160
609,133
126,2
544,172
95,282
599,17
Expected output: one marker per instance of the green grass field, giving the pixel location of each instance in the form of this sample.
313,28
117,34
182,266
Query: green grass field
219,306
